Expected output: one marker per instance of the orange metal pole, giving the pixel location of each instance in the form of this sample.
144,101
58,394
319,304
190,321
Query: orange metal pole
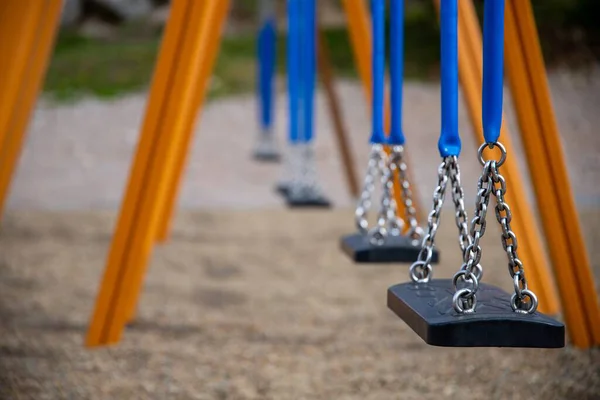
102,325
206,68
551,183
32,27
182,115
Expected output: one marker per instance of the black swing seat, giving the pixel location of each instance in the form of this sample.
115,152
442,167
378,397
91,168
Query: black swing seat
282,188
307,199
400,249
427,309
266,156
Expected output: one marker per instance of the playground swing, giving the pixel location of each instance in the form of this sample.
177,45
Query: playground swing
463,312
266,145
385,242
300,186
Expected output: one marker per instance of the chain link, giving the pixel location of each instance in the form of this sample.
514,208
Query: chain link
397,163
458,197
491,182
387,209
420,270
376,158
304,182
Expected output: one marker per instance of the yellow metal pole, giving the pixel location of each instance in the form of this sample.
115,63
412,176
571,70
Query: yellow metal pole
551,182
19,28
181,114
103,318
206,68
37,24
359,29
470,72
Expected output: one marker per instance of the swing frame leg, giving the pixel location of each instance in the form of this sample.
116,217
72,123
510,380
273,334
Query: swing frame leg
527,79
28,30
106,325
154,164
206,68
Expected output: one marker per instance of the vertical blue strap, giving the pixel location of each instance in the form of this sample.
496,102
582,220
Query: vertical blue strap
293,68
493,68
266,69
309,68
396,69
449,143
378,12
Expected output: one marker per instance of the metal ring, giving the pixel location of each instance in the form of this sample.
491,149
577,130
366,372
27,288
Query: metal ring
377,236
463,273
426,272
457,301
491,146
525,293
416,233
479,272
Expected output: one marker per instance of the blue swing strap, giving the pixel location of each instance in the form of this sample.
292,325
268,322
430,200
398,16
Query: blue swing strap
449,142
308,65
293,69
449,146
266,63
493,69
378,16
396,136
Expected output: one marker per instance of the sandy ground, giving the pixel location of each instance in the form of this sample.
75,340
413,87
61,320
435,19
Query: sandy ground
249,300
248,305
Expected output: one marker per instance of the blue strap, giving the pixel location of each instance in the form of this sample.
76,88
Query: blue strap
309,68
378,11
293,68
493,68
396,70
266,69
449,143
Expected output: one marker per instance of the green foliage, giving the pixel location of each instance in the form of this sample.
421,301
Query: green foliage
108,68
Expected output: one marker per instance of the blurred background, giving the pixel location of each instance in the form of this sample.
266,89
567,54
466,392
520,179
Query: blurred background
108,47
249,300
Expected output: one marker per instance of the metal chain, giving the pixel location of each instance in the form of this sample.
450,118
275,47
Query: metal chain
397,163
523,300
375,167
420,271
379,233
364,202
458,197
305,182
491,182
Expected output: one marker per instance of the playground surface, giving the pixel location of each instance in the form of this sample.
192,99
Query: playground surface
250,305
249,300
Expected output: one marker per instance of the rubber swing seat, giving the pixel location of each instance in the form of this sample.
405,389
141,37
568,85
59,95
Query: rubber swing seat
306,199
271,156
427,309
282,188
396,249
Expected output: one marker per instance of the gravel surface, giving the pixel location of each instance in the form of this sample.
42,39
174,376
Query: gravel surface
249,305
